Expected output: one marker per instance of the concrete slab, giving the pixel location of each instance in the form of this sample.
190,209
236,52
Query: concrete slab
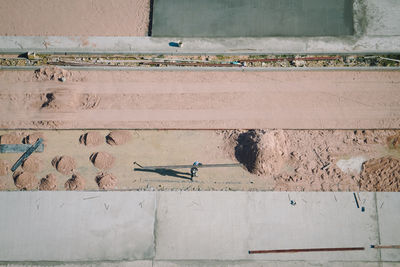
252,18
225,225
388,205
76,226
264,263
383,17
94,264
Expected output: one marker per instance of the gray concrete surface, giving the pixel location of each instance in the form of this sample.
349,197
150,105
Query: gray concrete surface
388,205
252,18
376,25
240,221
194,228
76,226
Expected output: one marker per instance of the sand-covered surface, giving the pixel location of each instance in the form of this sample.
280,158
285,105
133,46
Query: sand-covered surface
272,160
75,18
200,100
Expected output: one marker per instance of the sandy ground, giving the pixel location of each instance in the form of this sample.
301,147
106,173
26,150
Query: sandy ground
200,99
298,161
75,18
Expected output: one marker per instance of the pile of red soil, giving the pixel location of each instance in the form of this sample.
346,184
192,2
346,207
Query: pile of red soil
64,164
11,138
51,74
32,138
118,137
32,164
91,139
49,183
102,160
59,99
262,152
106,181
76,183
25,180
381,174
4,167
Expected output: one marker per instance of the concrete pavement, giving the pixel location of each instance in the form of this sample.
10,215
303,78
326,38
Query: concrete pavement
195,228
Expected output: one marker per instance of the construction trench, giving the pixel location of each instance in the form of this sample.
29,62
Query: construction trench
143,130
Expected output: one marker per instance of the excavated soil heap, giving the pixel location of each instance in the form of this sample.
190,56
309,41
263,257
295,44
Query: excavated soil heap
106,181
118,137
25,180
91,139
32,138
59,99
11,138
4,167
64,164
76,183
32,164
303,160
51,74
48,183
102,160
382,174
262,152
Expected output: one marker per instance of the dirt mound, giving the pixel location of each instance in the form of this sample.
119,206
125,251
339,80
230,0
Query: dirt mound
382,174
51,74
59,99
48,183
11,138
102,160
76,183
64,164
118,137
32,138
25,180
262,152
106,181
89,101
4,167
91,139
393,142
32,164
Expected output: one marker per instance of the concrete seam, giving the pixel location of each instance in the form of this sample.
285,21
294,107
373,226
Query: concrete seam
378,228
155,227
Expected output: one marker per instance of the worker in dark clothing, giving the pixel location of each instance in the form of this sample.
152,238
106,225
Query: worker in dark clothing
194,170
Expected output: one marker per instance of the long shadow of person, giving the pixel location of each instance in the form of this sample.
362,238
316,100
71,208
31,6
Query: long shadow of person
167,172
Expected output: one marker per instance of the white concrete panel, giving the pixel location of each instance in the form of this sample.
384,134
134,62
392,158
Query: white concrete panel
318,220
73,226
94,264
383,17
388,205
225,225
201,225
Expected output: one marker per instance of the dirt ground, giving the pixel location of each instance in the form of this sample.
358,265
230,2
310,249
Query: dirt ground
79,18
271,160
60,99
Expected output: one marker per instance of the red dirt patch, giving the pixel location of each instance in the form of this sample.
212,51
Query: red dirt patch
118,137
102,160
25,180
64,164
382,174
76,183
106,181
32,164
49,183
32,138
4,167
91,139
11,138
